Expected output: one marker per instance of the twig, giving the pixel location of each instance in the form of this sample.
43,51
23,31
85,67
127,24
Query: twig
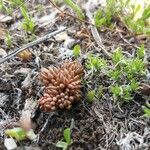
42,39
121,36
68,14
44,126
93,29
95,33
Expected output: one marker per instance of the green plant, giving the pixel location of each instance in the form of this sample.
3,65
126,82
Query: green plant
117,56
104,16
141,52
146,110
137,24
4,9
8,40
76,51
126,73
122,92
67,137
95,63
28,24
134,67
91,96
75,8
140,25
16,3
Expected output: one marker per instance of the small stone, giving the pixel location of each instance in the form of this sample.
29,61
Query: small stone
10,144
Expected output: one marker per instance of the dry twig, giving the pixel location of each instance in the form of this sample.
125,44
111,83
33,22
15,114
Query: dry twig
42,39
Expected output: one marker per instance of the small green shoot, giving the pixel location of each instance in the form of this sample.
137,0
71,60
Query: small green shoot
28,24
134,85
99,18
95,63
115,74
67,137
8,40
138,25
134,67
123,93
146,110
135,19
75,8
16,3
91,96
4,8
117,56
116,90
104,16
126,73
76,51
141,52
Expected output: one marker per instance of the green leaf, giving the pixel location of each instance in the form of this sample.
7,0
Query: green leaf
137,9
115,74
134,85
95,63
8,40
146,13
75,8
17,133
76,51
117,55
67,135
62,145
91,96
141,52
146,111
99,18
116,90
24,13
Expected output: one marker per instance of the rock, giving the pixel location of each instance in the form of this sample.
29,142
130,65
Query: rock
10,144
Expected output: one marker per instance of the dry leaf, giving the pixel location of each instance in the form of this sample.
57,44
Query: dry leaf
25,55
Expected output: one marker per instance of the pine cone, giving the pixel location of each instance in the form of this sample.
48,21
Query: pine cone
62,86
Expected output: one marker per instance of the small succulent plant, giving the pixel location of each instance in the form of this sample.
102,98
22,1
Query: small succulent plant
62,86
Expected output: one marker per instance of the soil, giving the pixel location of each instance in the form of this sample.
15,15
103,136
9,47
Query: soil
94,126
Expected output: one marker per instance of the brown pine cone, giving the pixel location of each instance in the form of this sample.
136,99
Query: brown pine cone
62,86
